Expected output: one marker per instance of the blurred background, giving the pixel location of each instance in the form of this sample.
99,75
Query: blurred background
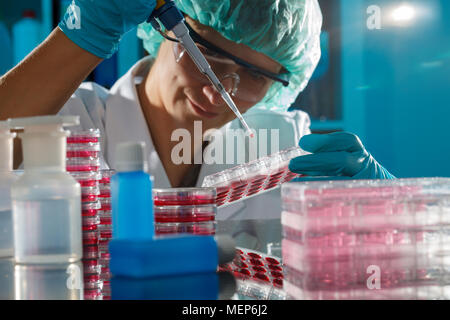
384,73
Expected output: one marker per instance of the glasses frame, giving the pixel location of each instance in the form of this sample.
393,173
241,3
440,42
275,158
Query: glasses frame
283,77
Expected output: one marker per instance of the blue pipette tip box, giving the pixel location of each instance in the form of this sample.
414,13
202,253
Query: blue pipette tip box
175,255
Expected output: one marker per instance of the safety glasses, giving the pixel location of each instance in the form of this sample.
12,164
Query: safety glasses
282,77
241,79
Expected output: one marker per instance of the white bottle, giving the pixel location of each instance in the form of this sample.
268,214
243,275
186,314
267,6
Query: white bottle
46,200
7,178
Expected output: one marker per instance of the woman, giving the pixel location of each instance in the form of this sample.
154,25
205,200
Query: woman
267,44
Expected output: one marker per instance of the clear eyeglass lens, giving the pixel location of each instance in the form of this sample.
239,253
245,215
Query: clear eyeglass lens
242,83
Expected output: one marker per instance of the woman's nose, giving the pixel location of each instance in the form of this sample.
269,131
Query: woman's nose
213,96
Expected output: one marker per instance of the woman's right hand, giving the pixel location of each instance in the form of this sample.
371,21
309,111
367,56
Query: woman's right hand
98,25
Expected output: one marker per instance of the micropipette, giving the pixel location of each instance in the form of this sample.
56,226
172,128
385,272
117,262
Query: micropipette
173,20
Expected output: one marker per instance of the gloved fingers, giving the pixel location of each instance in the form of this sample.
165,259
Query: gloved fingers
373,170
325,163
337,141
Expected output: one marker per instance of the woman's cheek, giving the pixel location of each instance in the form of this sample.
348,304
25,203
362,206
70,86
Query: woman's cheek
244,106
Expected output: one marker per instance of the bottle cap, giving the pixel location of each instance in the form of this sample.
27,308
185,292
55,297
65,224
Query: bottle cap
44,140
5,130
43,123
130,156
29,14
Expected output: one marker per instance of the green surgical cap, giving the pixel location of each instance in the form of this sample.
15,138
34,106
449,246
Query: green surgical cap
288,31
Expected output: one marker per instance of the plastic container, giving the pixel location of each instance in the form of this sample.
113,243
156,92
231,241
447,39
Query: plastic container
367,205
7,179
90,209
56,281
165,214
105,191
46,199
253,178
89,198
90,235
91,266
131,188
93,294
411,291
105,274
26,35
88,221
105,220
83,165
105,204
106,291
103,246
94,190
175,255
92,282
106,176
105,258
335,231
197,228
261,280
257,290
105,234
184,196
91,252
87,179
83,150
84,137
90,194
255,266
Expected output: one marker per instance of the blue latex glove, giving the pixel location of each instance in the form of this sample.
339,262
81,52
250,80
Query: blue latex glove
98,25
339,154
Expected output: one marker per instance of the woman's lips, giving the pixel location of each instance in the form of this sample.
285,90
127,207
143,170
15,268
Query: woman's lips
201,110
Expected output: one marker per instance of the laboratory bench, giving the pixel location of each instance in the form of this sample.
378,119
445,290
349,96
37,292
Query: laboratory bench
68,282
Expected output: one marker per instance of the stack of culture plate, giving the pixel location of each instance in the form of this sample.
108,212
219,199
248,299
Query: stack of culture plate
367,239
83,163
105,230
185,210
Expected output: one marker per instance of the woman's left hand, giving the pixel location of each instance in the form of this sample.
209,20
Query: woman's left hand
336,155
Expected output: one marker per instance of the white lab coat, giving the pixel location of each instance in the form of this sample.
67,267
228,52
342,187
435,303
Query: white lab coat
118,115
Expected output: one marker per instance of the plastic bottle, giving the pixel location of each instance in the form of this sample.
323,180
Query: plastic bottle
47,17
6,56
27,34
46,200
131,190
7,178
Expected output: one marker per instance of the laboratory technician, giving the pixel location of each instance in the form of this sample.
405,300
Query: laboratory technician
264,52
